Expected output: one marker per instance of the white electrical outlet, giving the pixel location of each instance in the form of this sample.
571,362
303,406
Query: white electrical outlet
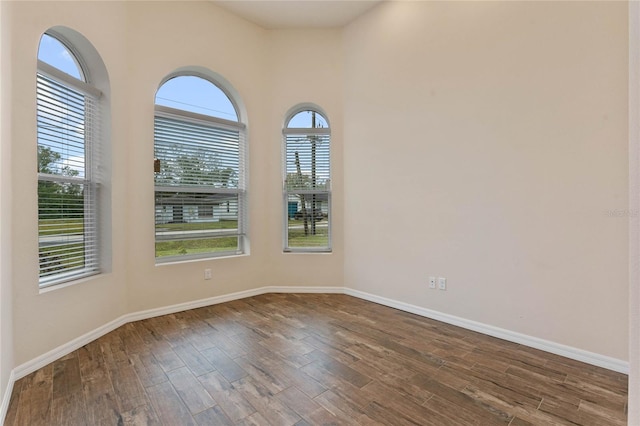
442,283
432,282
207,274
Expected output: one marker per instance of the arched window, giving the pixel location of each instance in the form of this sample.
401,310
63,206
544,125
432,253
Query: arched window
69,144
199,146
307,181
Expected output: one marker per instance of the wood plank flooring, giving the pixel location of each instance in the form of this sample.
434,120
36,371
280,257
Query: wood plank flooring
309,359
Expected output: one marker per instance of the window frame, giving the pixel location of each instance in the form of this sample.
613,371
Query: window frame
218,123
302,131
92,118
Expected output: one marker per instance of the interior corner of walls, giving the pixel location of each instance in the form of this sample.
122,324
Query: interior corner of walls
6,283
634,206
5,396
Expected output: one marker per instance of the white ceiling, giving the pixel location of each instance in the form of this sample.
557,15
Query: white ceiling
277,14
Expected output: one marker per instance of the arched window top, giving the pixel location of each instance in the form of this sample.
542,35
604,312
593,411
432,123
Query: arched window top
307,119
53,51
196,94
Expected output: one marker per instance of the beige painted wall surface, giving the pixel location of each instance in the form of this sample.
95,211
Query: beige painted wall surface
306,67
634,221
6,311
139,52
201,36
256,63
486,142
45,321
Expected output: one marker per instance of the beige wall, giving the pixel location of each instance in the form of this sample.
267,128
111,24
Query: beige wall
201,35
260,66
634,221
6,311
486,142
45,321
139,50
306,67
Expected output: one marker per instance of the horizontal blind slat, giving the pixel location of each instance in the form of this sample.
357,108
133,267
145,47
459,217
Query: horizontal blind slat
307,189
199,189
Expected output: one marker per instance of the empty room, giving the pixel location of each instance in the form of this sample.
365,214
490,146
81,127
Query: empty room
319,212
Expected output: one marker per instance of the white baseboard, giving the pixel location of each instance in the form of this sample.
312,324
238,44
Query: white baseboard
325,290
534,342
166,310
501,333
7,398
54,354
136,316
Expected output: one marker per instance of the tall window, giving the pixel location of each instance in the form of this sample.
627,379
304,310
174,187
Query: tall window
199,170
68,121
307,182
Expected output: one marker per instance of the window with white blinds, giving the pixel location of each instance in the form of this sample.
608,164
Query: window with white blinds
68,119
307,182
200,205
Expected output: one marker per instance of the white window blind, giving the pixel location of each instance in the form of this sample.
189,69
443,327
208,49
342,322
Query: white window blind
307,189
67,126
199,185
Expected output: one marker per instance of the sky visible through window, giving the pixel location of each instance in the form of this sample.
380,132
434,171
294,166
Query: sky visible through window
303,120
60,117
301,144
187,93
195,94
57,55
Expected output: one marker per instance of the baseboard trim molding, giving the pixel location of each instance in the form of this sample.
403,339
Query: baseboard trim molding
7,397
172,309
592,358
46,358
156,312
534,342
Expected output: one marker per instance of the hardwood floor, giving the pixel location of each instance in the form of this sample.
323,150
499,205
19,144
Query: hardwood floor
308,359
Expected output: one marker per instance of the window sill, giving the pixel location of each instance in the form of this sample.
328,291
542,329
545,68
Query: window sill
65,284
200,259
303,251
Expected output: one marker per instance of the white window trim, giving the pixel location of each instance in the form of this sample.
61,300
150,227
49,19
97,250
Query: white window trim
62,77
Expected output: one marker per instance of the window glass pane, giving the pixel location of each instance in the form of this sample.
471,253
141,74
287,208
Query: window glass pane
61,129
187,246
307,162
196,222
56,54
67,230
309,226
61,227
193,154
68,122
307,175
308,120
199,172
195,94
